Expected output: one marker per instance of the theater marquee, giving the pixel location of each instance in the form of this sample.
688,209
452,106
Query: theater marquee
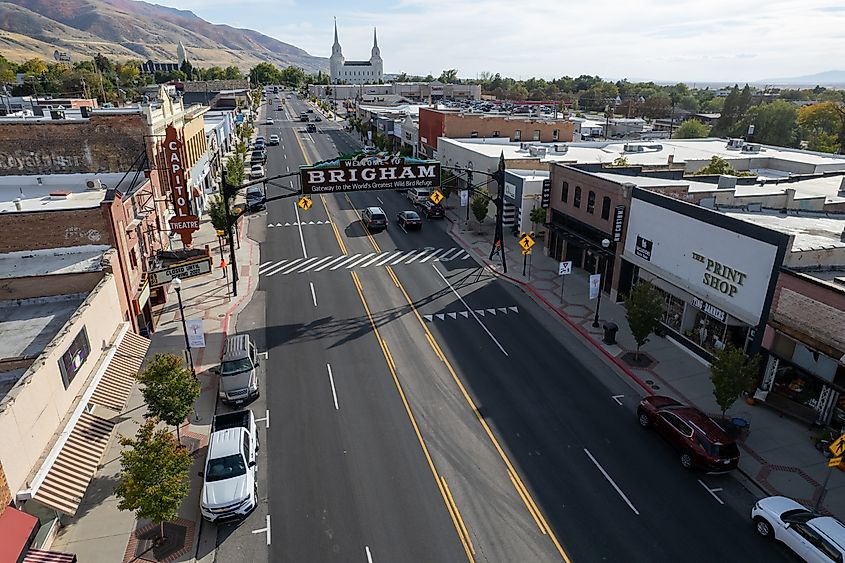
369,173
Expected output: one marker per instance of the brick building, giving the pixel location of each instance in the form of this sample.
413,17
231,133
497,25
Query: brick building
436,123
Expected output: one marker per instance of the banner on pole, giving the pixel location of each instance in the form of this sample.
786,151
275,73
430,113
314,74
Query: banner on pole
196,336
464,198
595,283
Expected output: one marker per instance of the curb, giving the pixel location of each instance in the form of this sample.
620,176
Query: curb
578,328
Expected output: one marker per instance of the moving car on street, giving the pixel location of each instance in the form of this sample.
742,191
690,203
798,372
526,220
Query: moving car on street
256,172
700,441
311,128
813,537
274,140
230,484
418,195
409,220
374,218
269,121
431,210
255,200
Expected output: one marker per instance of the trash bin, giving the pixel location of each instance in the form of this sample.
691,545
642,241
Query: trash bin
610,330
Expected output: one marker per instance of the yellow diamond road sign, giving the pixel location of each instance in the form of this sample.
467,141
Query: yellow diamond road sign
837,448
526,242
526,251
436,197
834,461
304,203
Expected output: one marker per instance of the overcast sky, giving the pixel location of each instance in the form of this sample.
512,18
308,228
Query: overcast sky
716,40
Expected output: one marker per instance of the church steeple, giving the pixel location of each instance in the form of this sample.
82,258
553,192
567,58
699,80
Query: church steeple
375,53
336,46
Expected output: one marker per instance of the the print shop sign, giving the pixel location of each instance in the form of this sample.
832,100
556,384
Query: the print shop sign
721,277
370,173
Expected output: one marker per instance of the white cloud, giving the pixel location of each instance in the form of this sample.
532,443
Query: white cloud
655,39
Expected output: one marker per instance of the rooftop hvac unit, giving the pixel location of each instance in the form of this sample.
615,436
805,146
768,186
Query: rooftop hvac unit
94,184
57,114
561,148
633,148
750,148
537,151
735,144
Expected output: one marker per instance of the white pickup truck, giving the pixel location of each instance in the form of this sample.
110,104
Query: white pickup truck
230,479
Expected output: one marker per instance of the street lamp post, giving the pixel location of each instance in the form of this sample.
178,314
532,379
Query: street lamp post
605,243
177,285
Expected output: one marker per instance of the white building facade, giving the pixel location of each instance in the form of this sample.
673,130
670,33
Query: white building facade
356,72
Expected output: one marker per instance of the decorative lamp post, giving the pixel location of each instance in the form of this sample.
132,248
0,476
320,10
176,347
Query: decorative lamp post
605,243
177,285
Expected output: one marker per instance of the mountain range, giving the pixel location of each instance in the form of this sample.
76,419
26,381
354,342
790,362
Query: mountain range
827,78
130,29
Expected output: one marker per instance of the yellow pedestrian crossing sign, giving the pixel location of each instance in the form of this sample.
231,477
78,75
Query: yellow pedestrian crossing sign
436,197
304,203
526,242
526,251
834,461
837,448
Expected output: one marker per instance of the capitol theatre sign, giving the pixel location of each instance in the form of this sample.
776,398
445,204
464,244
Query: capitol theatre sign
184,223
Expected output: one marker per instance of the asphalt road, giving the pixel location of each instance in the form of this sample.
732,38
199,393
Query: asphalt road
426,411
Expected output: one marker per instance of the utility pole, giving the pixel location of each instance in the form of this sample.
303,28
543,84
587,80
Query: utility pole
469,190
498,239
227,190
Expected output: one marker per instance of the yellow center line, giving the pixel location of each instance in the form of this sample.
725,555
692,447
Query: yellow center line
457,521
517,482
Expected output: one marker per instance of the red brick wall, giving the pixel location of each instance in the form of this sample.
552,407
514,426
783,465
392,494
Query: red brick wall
5,493
431,127
53,229
102,143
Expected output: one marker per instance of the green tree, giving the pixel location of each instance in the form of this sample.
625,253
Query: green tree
537,216
449,76
292,76
730,114
232,73
169,390
719,166
235,170
620,162
479,205
264,73
153,475
643,310
732,373
820,124
217,212
774,123
692,129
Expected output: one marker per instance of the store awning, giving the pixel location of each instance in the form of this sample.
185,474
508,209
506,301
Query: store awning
43,556
16,532
116,384
77,462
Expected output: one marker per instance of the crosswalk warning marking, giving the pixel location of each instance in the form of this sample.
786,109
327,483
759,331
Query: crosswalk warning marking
360,260
466,314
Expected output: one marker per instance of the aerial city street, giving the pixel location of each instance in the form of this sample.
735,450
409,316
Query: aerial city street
261,305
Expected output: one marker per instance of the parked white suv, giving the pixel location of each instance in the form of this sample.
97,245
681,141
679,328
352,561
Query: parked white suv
813,537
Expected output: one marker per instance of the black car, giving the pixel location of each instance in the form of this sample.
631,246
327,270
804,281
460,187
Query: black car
318,118
431,210
409,220
258,156
255,198
374,218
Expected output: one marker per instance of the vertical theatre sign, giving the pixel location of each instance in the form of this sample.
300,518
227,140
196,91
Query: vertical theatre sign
184,223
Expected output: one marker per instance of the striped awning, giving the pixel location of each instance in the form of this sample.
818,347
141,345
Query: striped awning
119,378
43,556
77,462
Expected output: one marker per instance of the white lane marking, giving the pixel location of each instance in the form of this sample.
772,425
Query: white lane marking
474,316
351,265
267,529
391,257
459,255
266,417
616,398
317,263
379,200
301,238
334,393
414,254
369,557
611,481
405,255
339,264
712,492
289,264
368,262
313,293
287,168
269,265
432,255
445,257
326,265
289,269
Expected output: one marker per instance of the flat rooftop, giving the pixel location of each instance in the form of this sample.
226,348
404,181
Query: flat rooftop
34,191
68,260
810,232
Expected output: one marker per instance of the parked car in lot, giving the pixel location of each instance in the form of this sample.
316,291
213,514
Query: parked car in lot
700,441
409,220
813,537
238,370
255,200
274,140
431,210
256,172
374,218
259,140
229,482
418,195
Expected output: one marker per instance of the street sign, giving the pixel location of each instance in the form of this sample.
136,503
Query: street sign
834,461
564,268
436,197
526,242
221,233
526,251
304,203
837,448
369,172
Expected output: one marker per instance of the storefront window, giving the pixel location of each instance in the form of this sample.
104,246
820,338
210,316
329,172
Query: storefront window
797,386
673,311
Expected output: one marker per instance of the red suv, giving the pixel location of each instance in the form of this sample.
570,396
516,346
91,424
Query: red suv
701,442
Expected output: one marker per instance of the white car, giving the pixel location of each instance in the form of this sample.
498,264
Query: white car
813,537
230,483
256,172
269,121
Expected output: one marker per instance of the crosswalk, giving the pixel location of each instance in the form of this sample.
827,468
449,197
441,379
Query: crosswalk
298,223
466,314
361,260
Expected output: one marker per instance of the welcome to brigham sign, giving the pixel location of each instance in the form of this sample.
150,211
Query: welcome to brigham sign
369,173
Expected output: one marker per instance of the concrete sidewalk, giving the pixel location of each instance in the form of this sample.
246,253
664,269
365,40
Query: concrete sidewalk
101,532
778,454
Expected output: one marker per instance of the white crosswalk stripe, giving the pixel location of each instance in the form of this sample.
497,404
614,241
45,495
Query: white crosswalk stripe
299,223
361,260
